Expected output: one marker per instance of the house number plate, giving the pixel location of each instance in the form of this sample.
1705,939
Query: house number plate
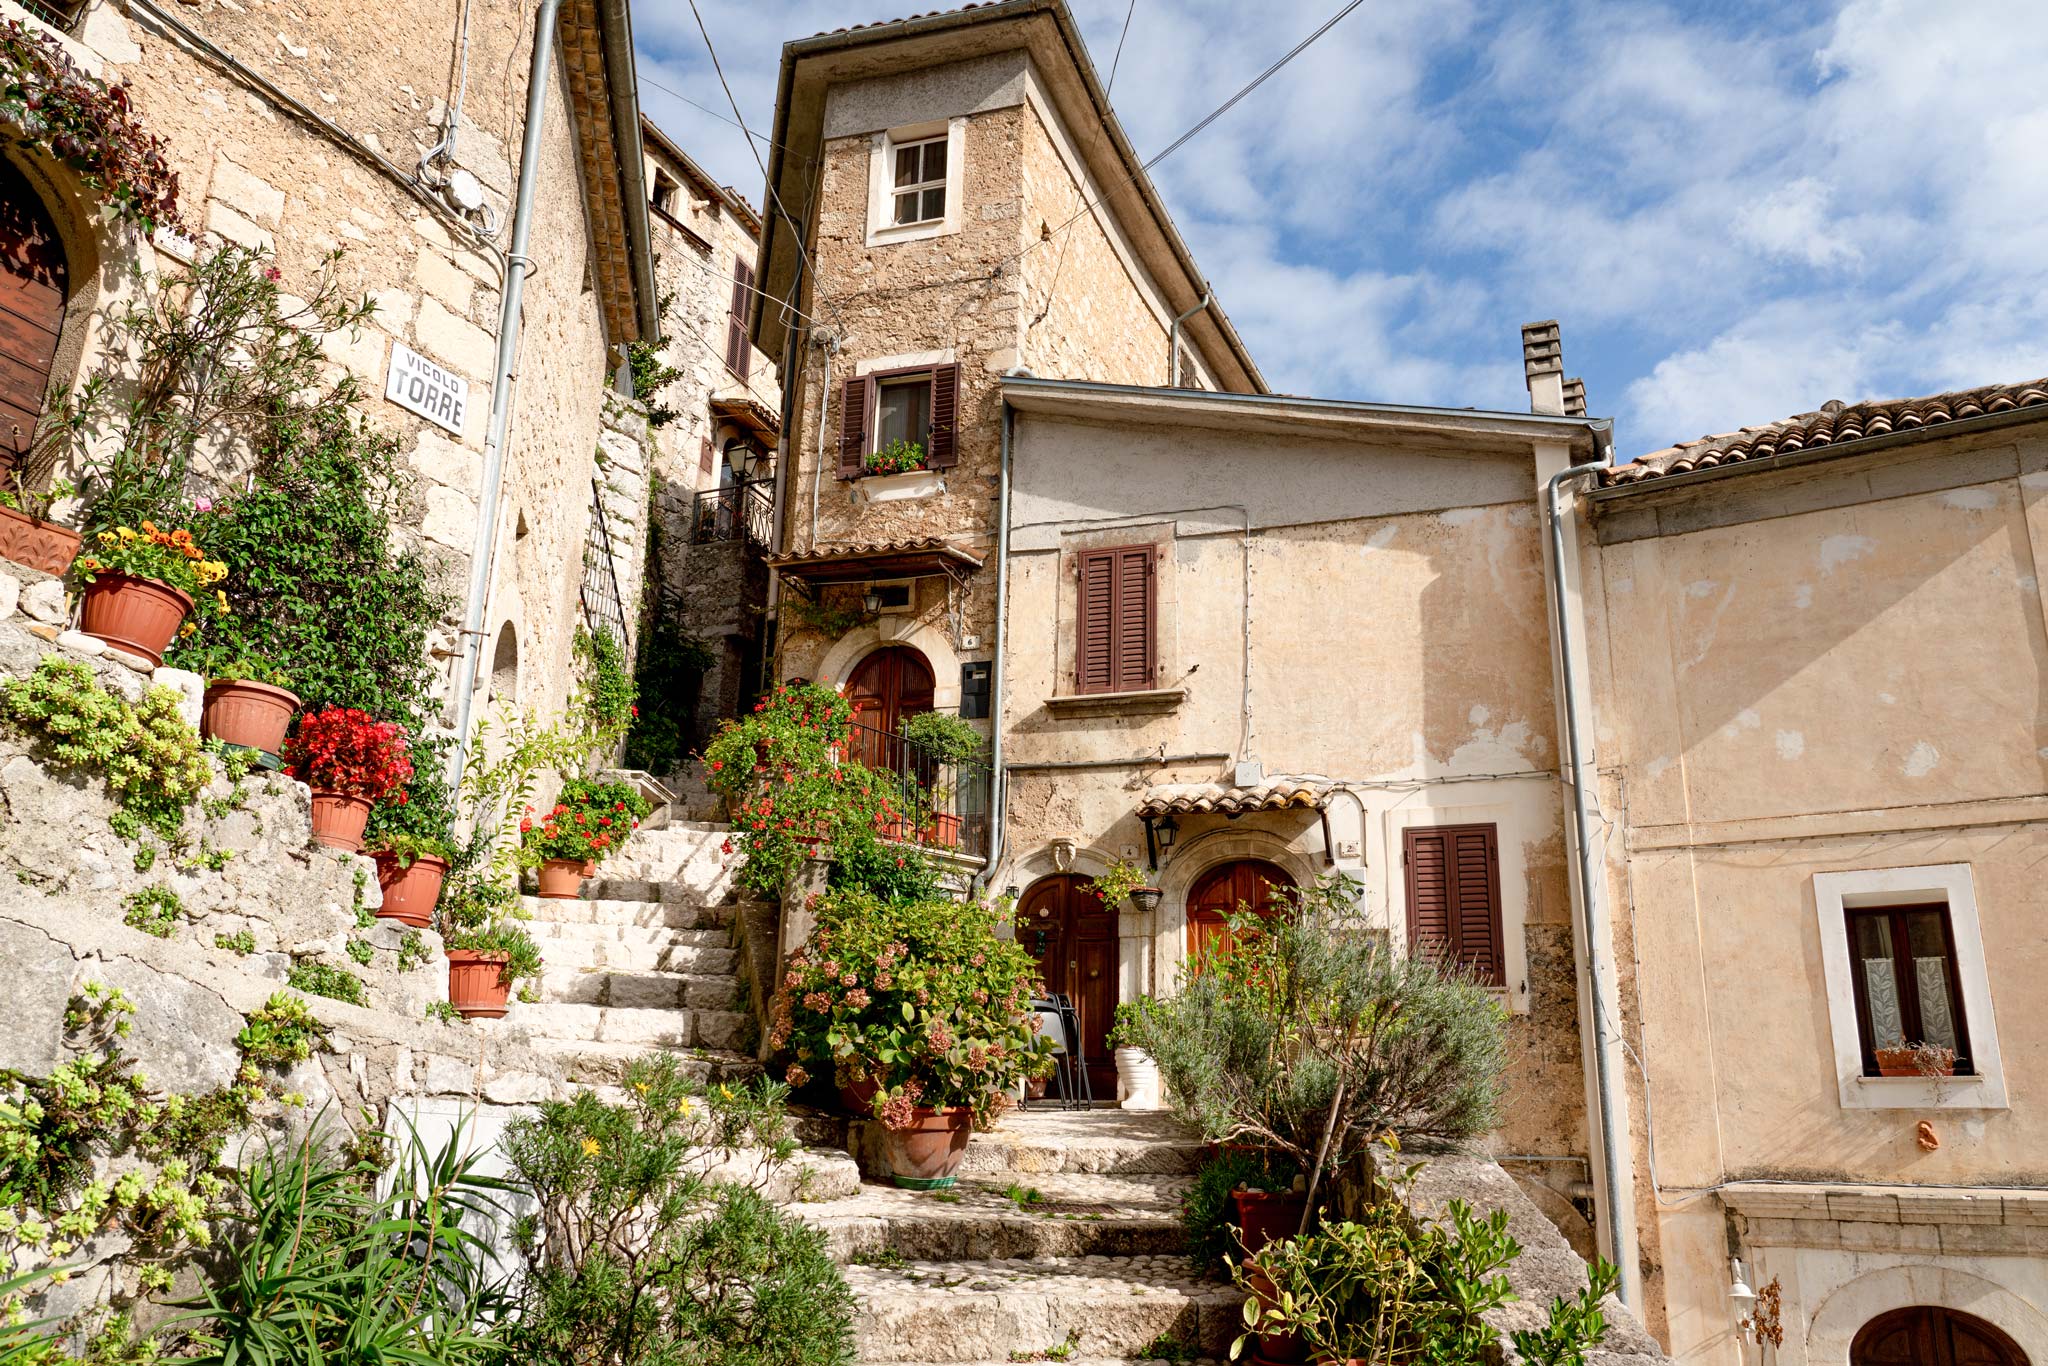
418,385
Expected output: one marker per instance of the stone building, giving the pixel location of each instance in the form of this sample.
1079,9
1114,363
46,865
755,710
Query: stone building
716,430
1814,659
309,131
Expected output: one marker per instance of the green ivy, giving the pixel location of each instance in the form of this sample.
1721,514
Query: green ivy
412,951
651,374
324,979
608,690
153,910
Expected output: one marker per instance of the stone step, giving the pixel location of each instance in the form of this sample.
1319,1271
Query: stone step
678,915
1046,1140
719,1029
651,989
615,886
1179,1357
980,1220
577,954
1087,1307
604,1064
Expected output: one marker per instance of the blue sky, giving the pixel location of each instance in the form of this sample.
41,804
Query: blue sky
1736,211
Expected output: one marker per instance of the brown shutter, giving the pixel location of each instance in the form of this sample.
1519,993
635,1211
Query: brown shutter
739,351
1133,642
853,427
945,448
1095,630
1453,879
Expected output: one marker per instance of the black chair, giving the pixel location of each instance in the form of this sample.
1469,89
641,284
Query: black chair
1062,1024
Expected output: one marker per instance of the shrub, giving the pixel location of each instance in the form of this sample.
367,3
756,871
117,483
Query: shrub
921,997
1205,1209
77,119
153,910
324,979
590,821
1312,1038
344,750
632,1260
942,735
607,690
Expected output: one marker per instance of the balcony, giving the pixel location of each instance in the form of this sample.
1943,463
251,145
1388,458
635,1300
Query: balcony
947,802
742,512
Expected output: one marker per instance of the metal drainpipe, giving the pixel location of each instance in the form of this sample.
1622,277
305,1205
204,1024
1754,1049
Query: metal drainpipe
785,471
516,266
998,780
1607,1085
830,346
1173,342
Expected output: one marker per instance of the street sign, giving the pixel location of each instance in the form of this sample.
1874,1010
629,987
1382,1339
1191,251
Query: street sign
417,384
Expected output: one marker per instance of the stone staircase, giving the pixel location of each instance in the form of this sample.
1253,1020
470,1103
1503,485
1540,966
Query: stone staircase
646,960
1060,1242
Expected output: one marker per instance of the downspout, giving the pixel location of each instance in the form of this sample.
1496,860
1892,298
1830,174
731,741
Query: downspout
830,346
1599,970
785,465
999,781
517,264
1173,341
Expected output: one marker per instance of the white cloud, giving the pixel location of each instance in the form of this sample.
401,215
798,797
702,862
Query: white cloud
1792,223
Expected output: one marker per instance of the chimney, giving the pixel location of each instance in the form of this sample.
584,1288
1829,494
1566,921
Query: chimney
1575,397
1543,367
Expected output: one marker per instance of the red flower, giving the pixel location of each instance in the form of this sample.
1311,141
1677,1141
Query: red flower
341,749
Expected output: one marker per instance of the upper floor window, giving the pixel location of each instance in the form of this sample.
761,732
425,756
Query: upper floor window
918,191
739,350
1116,639
906,415
1906,987
1453,883
664,198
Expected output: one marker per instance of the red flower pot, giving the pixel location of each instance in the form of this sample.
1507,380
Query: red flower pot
39,545
476,983
140,616
859,1097
338,820
253,715
410,891
1272,1349
561,879
943,832
1263,1216
927,1155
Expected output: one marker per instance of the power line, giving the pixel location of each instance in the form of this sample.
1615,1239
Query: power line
1128,12
728,121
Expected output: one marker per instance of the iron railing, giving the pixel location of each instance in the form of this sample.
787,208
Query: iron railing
738,512
947,800
604,607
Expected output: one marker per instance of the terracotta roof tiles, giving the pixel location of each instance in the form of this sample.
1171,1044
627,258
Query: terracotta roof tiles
1217,799
1832,424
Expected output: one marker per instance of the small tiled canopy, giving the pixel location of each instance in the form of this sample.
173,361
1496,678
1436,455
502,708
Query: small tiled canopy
1216,799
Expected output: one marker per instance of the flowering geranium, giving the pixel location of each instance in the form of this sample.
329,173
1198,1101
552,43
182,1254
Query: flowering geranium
589,821
149,552
345,750
921,997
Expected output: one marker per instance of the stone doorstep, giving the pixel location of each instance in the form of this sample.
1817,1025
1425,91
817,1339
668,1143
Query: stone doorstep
646,988
1114,1307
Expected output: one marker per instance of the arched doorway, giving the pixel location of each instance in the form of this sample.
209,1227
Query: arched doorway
888,685
34,285
1072,935
1928,1335
1252,884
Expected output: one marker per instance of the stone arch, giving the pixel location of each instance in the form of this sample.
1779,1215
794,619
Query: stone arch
504,680
1841,1314
1196,856
929,640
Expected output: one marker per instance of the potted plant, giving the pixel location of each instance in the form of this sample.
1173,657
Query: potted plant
898,457
351,761
1122,879
483,965
589,822
1916,1060
944,742
248,704
27,536
922,1000
1137,1075
140,583
410,870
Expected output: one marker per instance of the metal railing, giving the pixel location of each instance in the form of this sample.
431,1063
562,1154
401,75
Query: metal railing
604,607
947,800
737,512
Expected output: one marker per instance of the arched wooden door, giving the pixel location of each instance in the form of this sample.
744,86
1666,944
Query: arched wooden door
890,684
1251,884
1072,935
34,284
1927,1335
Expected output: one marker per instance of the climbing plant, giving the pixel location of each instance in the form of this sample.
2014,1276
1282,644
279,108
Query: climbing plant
52,107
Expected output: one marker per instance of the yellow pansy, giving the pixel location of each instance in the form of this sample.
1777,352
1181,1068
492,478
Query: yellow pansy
126,533
222,598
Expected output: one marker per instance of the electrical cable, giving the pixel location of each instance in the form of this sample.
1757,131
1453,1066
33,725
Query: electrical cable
730,122
1113,61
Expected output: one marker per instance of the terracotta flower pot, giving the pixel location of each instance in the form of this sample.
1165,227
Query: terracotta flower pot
140,616
561,879
1900,1062
253,715
1263,1216
1273,1349
39,545
859,1097
338,820
476,983
410,891
927,1155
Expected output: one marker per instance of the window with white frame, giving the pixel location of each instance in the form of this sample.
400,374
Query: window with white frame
917,186
1909,995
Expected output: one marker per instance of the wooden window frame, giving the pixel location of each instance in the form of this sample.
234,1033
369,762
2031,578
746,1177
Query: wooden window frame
739,347
858,429
943,184
1113,677
1909,986
1455,948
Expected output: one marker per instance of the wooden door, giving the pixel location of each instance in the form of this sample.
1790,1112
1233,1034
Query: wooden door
1072,935
1246,884
33,287
1927,1335
890,684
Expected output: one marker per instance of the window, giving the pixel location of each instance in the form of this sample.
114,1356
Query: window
1453,878
664,199
917,186
1115,649
890,597
739,351
916,405
1904,960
